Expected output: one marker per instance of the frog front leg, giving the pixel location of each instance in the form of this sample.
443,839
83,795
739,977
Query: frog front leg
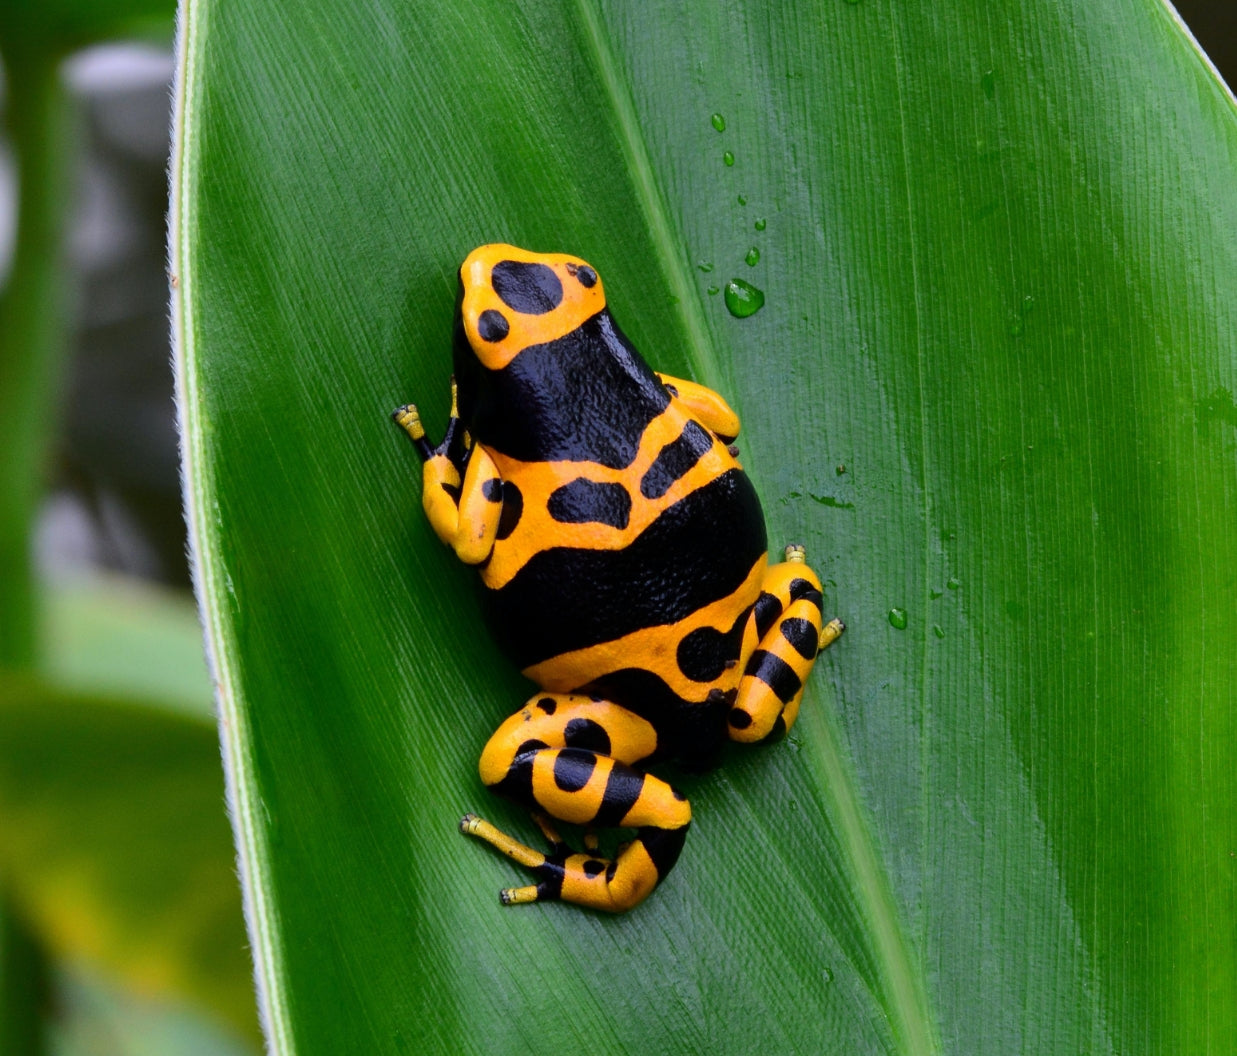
572,757
462,492
705,405
787,619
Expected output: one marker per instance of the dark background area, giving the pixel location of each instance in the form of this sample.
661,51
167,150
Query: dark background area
1214,25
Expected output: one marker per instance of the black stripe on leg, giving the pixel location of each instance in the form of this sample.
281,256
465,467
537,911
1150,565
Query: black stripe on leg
517,783
623,788
663,846
573,767
803,588
775,673
767,610
551,887
802,635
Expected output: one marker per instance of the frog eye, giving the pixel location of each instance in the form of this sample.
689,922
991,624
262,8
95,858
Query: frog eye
583,274
527,287
492,326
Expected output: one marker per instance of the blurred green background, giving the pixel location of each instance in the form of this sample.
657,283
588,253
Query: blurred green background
120,918
121,928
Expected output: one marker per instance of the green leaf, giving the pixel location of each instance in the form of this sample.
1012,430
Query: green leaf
990,387
114,842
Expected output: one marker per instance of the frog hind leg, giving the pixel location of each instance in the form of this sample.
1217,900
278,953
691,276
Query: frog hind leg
788,624
571,757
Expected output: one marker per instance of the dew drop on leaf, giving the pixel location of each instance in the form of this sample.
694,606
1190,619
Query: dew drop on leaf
743,299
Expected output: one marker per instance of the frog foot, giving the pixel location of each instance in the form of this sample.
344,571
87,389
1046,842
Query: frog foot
612,885
455,441
550,868
408,418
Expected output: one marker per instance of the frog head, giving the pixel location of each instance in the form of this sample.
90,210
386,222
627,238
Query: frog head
513,299
539,362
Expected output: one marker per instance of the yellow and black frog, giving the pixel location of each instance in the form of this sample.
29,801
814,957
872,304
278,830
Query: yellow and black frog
622,551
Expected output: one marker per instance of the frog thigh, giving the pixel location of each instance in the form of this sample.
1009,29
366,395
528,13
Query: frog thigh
464,514
571,756
788,621
709,407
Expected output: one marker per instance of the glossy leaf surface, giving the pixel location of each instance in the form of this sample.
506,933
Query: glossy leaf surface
990,389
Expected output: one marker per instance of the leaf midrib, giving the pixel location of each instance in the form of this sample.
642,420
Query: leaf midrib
905,1000
666,240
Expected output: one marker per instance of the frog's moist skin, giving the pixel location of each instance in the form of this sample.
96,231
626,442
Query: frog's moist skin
623,554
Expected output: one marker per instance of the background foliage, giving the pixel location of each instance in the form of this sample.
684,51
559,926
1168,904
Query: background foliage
118,903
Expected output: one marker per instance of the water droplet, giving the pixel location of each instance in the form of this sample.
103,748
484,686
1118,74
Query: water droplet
841,469
752,258
954,583
988,83
743,299
719,122
827,975
743,199
714,290
705,266
760,224
727,158
938,630
934,594
898,618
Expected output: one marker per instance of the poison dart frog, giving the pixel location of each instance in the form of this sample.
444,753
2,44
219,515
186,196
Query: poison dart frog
622,552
